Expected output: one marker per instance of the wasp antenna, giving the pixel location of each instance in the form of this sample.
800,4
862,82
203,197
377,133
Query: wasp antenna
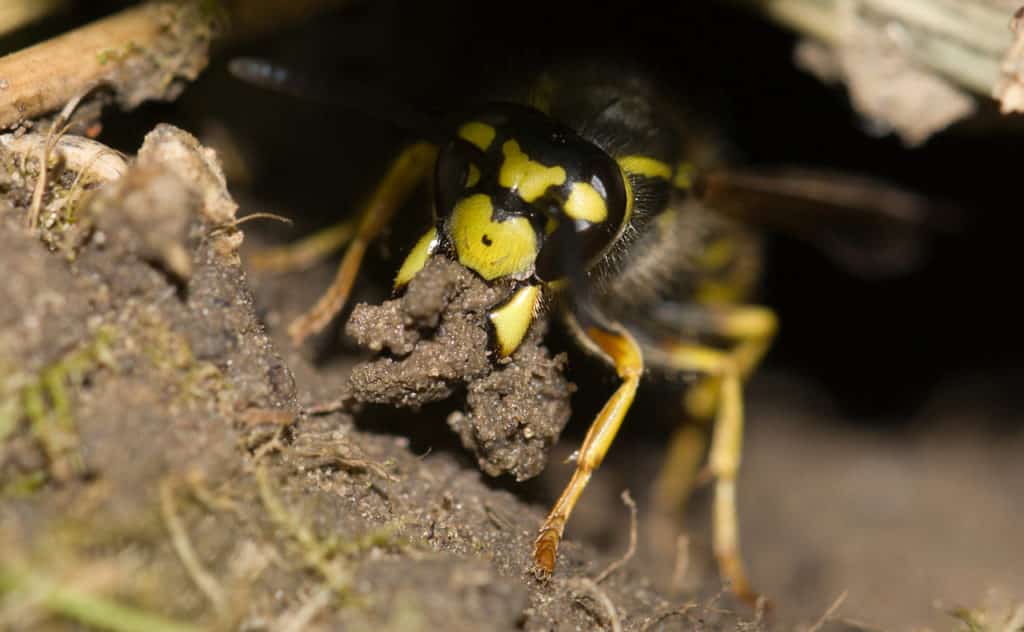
259,72
332,89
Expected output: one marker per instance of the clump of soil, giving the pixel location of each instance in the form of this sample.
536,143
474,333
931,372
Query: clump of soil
435,338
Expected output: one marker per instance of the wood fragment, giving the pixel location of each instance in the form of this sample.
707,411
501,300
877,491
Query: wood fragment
78,153
897,56
15,14
1009,90
142,53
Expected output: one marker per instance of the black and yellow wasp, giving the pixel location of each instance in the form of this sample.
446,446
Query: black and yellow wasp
594,195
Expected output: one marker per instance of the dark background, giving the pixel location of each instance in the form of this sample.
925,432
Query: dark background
880,349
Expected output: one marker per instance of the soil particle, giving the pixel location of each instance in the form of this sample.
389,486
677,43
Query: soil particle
149,209
436,339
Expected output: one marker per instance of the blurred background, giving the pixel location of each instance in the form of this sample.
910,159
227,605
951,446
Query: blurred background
884,439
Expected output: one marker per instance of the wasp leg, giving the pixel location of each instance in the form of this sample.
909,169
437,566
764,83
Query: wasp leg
678,474
306,252
620,347
724,456
753,329
401,179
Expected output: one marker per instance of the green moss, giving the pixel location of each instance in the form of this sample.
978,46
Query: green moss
23,485
81,606
42,401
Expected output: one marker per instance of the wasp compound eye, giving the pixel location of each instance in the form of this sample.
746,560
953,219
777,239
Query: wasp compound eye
456,172
581,227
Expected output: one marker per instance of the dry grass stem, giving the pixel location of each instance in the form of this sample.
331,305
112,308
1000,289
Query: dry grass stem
631,549
590,587
15,14
183,547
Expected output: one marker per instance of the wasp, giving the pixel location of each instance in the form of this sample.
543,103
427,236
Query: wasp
597,197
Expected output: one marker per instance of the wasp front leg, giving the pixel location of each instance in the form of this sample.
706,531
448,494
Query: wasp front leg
618,346
406,173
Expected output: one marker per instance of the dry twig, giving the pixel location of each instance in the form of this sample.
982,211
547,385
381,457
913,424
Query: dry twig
680,611
828,614
631,549
589,586
1010,88
908,64
142,52
57,130
963,40
299,619
15,14
183,547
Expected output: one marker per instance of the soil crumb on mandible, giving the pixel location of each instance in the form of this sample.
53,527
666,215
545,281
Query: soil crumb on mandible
433,343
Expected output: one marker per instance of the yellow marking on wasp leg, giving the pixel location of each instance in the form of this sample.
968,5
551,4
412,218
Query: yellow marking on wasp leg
512,320
472,176
623,350
585,203
417,258
684,176
401,179
526,177
491,249
480,134
645,166
753,328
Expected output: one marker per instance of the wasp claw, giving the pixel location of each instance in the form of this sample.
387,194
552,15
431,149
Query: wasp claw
545,551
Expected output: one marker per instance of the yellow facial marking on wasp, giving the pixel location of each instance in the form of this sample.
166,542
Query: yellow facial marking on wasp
472,177
645,166
684,176
528,178
417,258
480,134
585,203
512,320
491,249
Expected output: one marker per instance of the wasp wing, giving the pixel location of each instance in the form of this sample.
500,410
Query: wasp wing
870,227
